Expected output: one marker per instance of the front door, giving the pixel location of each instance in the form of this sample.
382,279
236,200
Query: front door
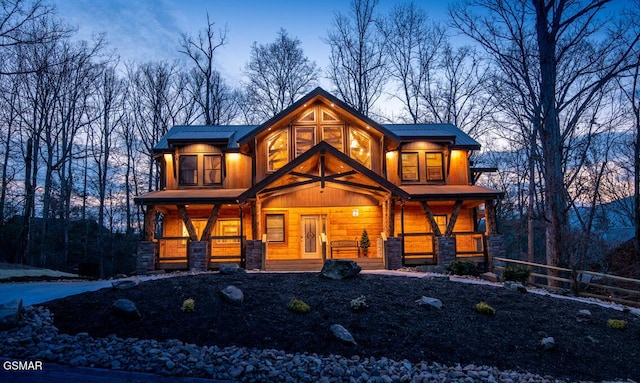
310,237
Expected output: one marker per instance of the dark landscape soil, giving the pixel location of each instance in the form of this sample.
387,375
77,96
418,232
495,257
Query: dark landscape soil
393,325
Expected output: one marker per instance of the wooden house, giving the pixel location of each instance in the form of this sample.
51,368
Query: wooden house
304,186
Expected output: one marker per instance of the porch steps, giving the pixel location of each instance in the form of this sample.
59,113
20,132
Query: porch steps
316,264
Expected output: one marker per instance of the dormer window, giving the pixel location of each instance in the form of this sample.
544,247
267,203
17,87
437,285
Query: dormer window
435,168
212,169
410,167
188,170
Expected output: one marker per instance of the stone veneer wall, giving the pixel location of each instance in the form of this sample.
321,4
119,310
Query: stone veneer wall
445,250
254,254
197,255
495,248
393,252
146,257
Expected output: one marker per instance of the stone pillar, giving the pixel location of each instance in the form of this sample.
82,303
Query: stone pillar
495,248
254,254
197,255
445,250
393,253
146,259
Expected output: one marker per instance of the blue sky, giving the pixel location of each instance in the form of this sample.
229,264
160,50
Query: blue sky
149,30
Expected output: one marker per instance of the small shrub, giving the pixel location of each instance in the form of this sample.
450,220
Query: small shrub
462,268
188,305
485,309
299,307
359,303
516,273
618,324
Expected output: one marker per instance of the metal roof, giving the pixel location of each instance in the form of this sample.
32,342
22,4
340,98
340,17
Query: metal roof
411,132
227,134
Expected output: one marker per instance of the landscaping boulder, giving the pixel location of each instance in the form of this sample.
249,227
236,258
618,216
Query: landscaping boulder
126,309
340,269
342,334
10,313
230,269
583,316
232,295
517,286
548,343
429,302
124,285
489,276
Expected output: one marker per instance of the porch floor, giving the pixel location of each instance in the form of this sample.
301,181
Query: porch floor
316,264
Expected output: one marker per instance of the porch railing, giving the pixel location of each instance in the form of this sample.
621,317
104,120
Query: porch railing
173,252
419,248
227,249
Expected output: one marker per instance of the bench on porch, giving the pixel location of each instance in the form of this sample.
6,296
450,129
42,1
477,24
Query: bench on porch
346,244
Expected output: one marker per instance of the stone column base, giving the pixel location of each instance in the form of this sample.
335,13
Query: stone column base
197,255
146,257
393,253
254,255
445,250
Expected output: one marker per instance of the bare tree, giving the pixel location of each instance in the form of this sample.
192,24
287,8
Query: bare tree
17,21
213,97
358,69
414,46
557,56
278,74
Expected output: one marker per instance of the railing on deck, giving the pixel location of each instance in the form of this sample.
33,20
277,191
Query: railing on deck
418,249
173,249
581,283
227,249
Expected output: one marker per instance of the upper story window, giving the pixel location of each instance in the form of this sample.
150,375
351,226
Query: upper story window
305,138
212,169
188,170
410,167
332,134
199,169
277,150
435,166
360,147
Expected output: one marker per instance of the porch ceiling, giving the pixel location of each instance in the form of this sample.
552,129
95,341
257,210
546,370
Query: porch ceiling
450,193
190,196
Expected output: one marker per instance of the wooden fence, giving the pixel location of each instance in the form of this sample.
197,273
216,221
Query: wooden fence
581,283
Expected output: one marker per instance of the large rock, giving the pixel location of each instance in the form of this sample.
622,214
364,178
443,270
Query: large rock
10,313
124,285
340,269
232,295
230,269
342,334
126,309
429,302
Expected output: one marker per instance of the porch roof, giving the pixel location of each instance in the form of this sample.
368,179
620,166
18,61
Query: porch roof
450,192
190,196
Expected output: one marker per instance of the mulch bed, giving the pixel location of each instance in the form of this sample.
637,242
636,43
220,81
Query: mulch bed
393,325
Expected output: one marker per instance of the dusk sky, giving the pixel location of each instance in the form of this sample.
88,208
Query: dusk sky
150,30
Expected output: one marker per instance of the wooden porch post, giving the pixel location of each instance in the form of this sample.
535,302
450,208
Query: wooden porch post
454,217
490,214
213,217
254,219
182,211
149,223
431,219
